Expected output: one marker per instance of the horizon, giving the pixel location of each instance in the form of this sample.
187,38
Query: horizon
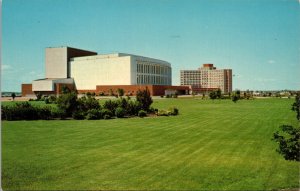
250,37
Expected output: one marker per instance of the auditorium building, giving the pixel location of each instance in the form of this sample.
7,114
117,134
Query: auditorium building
86,71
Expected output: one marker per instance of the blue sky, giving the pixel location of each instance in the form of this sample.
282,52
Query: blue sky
258,39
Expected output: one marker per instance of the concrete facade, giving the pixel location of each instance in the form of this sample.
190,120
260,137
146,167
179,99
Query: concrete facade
207,78
85,71
49,84
118,69
57,59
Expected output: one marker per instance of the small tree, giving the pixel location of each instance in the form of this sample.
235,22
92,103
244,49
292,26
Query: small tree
111,93
296,105
39,96
288,137
13,95
234,98
238,93
213,95
67,103
65,89
120,92
144,99
219,94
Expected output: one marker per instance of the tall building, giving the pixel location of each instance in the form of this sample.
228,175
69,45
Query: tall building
86,71
207,78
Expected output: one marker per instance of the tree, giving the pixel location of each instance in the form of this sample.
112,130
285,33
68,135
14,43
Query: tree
238,93
288,137
65,89
120,92
219,94
144,99
213,95
111,93
235,96
68,103
296,105
39,96
13,95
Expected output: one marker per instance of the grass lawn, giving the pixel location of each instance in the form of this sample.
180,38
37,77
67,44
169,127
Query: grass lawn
211,145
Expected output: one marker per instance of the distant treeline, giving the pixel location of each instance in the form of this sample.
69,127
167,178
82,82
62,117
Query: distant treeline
8,94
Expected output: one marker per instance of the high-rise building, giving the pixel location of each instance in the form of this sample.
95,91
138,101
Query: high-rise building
207,78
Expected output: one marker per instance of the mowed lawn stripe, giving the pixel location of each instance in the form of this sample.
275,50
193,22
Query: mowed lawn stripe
211,145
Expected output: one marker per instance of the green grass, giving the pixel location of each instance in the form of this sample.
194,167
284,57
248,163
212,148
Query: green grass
211,145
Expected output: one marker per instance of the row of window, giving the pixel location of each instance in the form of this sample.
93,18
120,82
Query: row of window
152,68
151,79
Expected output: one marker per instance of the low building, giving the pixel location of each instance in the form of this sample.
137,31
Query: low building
85,71
207,78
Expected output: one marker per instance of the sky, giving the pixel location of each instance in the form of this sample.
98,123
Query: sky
258,39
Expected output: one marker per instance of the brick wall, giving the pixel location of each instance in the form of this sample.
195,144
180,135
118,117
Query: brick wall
27,90
154,90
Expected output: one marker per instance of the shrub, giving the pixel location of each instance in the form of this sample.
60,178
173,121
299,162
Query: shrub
106,117
47,100
58,113
296,105
173,111
144,98
120,112
44,113
87,103
88,94
25,111
133,107
152,110
163,113
213,95
79,115
122,102
93,114
52,99
142,113
175,95
110,105
68,103
235,98
39,96
120,92
13,95
105,112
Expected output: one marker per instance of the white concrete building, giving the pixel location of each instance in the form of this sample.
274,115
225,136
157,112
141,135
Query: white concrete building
85,70
118,69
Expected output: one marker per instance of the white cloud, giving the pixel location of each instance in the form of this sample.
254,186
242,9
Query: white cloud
5,67
271,61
